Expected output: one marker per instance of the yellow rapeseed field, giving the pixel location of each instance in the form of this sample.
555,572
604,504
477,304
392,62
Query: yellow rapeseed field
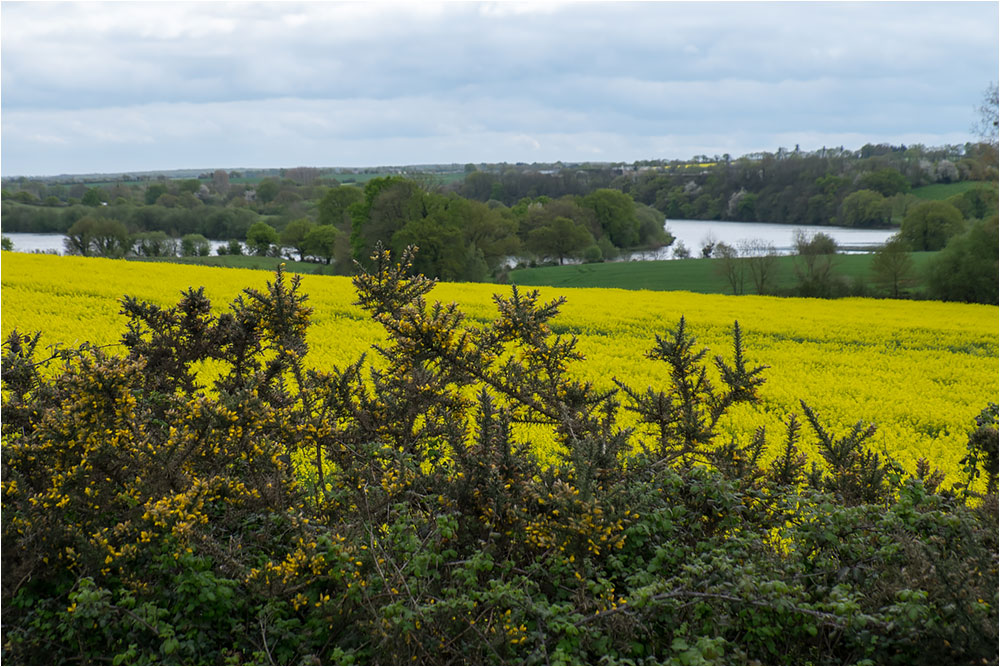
921,371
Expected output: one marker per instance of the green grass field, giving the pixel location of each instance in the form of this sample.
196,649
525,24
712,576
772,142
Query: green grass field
702,276
945,190
691,275
439,178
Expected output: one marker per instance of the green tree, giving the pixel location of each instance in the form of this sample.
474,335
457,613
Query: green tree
651,231
562,238
190,185
6,243
111,238
976,203
864,208
892,266
335,206
442,250
489,230
267,190
929,225
261,236
155,244
99,237
153,192
389,203
967,270
615,212
195,245
887,182
294,235
816,266
323,240
479,185
92,197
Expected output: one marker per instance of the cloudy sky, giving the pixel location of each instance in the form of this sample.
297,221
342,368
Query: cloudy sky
129,86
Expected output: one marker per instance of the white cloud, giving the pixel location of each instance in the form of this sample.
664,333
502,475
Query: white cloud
224,80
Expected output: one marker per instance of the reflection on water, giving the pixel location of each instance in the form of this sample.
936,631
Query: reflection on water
695,234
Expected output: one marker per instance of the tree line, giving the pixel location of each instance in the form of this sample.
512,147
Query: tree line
462,239
470,229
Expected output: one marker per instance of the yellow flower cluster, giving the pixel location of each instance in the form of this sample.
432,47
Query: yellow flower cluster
920,370
579,525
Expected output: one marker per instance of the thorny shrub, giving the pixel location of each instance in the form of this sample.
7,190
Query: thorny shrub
205,498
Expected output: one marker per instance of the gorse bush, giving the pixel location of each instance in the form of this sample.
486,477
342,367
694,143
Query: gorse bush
205,498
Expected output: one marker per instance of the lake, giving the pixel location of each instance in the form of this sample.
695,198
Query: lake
53,243
696,233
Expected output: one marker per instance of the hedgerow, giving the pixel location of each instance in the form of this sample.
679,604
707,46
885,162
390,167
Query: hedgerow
206,498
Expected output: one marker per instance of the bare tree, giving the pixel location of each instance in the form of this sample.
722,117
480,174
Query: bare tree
989,115
892,265
816,267
762,261
731,266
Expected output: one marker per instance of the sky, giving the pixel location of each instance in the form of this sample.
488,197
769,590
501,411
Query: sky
142,86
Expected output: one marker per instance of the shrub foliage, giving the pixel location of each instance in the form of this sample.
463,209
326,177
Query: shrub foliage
204,497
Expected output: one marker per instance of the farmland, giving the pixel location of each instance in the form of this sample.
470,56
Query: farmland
693,275
475,495
920,370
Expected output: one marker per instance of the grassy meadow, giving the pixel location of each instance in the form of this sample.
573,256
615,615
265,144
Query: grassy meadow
940,191
692,275
920,370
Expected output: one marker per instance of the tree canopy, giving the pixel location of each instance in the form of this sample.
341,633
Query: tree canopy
929,225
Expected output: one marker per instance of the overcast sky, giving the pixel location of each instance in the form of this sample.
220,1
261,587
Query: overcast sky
129,86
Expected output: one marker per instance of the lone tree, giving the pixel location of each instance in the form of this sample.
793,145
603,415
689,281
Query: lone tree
816,266
762,260
730,266
892,265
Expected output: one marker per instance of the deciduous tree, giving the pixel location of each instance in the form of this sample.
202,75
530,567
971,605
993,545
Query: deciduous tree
892,266
261,236
929,225
561,239
967,270
322,242
864,208
294,235
195,245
